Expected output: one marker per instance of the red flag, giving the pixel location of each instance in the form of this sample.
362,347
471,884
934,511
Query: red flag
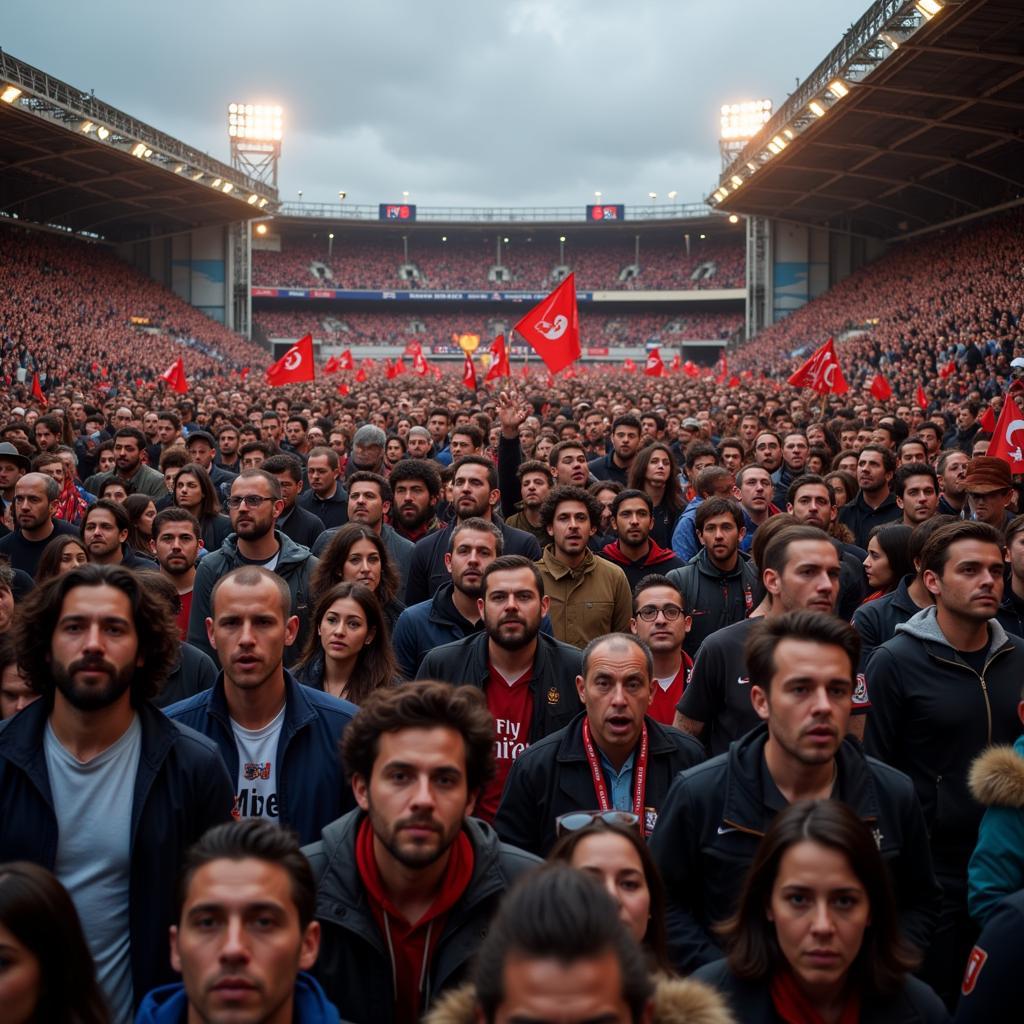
880,388
723,371
437,373
343,389
468,374
734,382
629,366
243,373
399,366
295,366
948,370
37,391
552,327
1011,421
821,372
921,398
500,365
677,363
988,420
345,360
175,376
390,369
654,367
360,375
419,363
332,365
413,348
690,369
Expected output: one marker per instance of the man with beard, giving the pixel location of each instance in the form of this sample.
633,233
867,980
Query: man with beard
951,468
301,525
474,494
129,444
35,501
801,571
612,756
625,445
278,738
875,503
325,497
104,533
795,450
525,674
175,541
419,443
535,483
407,883
96,784
801,667
415,491
254,506
634,551
452,612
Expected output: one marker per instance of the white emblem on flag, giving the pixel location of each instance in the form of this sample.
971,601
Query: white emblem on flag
293,359
553,331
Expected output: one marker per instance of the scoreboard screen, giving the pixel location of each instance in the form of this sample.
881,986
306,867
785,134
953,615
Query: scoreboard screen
606,212
397,211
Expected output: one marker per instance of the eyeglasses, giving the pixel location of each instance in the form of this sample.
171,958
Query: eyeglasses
649,612
248,500
575,820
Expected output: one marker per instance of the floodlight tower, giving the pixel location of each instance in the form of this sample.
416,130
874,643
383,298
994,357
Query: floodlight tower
255,131
740,123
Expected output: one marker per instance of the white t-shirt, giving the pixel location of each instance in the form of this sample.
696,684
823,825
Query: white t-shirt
256,790
93,802
667,682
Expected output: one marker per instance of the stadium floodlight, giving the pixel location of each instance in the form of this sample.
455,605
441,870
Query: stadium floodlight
87,126
263,202
652,195
10,93
197,175
255,121
838,88
253,199
890,40
227,187
672,195
736,180
744,120
261,229
102,132
216,183
141,150
928,8
733,219
780,142
816,108
341,195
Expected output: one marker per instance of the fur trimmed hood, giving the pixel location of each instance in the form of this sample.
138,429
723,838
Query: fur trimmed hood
997,776
676,1001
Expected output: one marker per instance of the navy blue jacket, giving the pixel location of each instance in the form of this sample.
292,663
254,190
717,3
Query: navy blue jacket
312,790
181,790
426,625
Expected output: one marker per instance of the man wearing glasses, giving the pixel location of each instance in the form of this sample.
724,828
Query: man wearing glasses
989,490
662,622
254,505
612,757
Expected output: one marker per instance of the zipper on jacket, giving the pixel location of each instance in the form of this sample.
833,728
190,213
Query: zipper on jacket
984,685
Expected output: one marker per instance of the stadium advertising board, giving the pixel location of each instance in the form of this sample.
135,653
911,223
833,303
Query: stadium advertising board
597,213
397,211
260,292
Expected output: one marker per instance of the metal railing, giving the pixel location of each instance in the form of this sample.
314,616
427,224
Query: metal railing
50,97
495,214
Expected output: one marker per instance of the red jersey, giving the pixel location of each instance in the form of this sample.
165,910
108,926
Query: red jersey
186,607
664,701
511,704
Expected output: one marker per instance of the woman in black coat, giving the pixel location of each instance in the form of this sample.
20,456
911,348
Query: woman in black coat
815,939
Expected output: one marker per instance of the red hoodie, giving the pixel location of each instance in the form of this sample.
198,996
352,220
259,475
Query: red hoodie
655,556
408,943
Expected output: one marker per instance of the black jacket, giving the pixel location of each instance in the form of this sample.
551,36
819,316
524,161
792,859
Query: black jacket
877,620
932,714
604,468
427,625
853,583
990,990
302,526
354,966
751,1001
861,518
1011,613
552,777
427,571
716,598
715,815
555,668
181,789
332,513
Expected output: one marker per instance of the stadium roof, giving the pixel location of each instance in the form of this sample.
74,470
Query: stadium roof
70,161
927,131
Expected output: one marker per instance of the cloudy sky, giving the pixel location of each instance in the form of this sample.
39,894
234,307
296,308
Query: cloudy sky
517,103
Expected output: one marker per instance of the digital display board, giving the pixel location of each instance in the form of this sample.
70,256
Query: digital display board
397,211
606,212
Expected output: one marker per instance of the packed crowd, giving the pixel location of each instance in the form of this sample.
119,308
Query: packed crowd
596,329
463,263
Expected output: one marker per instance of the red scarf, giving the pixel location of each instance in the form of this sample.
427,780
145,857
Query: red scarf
794,1007
70,505
408,943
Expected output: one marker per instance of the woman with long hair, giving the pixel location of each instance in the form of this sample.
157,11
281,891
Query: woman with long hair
656,472
815,938
62,554
194,491
141,511
348,652
357,554
888,561
46,970
843,484
608,846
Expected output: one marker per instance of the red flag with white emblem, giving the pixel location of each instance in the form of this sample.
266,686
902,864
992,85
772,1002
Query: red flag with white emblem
880,388
500,365
821,372
468,374
295,366
175,376
1006,443
654,367
552,327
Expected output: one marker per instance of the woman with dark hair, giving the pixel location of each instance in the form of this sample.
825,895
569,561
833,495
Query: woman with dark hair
815,938
844,484
348,652
608,846
394,450
605,491
194,491
46,969
846,460
62,554
357,554
888,561
656,472
141,511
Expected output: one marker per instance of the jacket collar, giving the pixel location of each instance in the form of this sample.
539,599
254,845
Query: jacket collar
443,610
708,568
570,748
288,550
298,711
559,570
